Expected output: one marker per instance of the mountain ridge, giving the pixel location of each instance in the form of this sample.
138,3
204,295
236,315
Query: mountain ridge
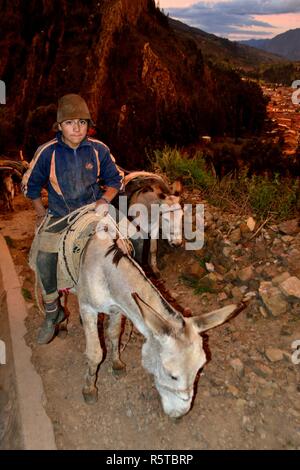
221,49
284,44
145,84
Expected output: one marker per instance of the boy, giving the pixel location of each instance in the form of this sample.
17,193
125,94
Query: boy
70,167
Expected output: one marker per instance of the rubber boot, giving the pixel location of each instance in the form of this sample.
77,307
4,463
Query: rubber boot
54,315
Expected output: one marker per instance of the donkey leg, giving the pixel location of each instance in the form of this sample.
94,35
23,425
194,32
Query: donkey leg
94,355
114,332
63,326
153,259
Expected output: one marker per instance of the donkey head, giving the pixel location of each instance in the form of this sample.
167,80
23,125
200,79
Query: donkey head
171,212
174,353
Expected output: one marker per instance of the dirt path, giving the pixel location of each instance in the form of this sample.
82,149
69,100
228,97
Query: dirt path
243,399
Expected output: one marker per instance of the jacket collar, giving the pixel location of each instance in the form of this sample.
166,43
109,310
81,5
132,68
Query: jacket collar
84,143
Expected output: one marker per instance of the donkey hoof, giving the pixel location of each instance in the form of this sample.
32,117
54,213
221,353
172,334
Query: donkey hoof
118,369
62,329
90,396
62,333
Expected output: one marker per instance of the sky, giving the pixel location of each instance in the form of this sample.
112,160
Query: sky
236,19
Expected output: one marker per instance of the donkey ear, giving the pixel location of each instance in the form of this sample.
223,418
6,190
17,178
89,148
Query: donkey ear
177,187
217,317
157,324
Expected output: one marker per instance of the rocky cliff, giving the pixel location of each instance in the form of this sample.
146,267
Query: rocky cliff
145,85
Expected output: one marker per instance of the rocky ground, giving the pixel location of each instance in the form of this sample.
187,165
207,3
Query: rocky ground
248,394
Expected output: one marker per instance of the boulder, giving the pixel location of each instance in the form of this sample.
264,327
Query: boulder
289,227
272,299
291,287
246,274
274,355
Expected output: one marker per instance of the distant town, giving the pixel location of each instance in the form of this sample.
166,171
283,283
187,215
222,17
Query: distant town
285,117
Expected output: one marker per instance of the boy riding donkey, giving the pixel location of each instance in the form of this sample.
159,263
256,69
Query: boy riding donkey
70,167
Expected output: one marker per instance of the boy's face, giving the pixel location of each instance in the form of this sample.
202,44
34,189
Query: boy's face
73,131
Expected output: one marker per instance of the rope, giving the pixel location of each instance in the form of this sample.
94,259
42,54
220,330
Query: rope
124,346
86,217
78,221
127,244
37,298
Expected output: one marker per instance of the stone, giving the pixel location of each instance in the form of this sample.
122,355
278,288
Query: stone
286,331
249,296
208,217
237,366
210,267
175,295
289,227
263,312
213,277
227,251
233,390
274,355
277,247
237,294
267,392
222,296
241,403
262,370
272,299
231,275
293,261
197,270
280,278
251,223
245,230
246,274
291,287
270,271
287,238
235,235
260,251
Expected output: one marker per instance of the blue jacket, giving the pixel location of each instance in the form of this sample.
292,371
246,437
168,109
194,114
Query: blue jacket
71,176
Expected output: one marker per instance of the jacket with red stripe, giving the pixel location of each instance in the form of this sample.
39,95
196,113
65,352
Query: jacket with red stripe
71,176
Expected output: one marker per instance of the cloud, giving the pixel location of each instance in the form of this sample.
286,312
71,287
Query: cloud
234,17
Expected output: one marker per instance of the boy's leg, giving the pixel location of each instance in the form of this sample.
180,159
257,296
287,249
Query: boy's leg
46,264
54,314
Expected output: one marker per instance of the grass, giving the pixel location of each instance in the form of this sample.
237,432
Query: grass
262,196
200,286
176,165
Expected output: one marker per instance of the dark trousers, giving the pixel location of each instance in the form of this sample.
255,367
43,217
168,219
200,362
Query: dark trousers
47,262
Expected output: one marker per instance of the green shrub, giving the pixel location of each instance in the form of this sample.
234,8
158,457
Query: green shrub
175,165
265,196
277,197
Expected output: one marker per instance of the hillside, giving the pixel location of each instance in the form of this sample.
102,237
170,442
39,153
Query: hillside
221,50
146,84
285,44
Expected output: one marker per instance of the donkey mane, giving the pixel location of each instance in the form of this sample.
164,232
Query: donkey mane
146,184
118,254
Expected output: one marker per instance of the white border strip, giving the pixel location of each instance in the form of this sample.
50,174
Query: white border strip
36,427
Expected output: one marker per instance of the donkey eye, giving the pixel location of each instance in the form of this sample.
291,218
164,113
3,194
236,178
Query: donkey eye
173,377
